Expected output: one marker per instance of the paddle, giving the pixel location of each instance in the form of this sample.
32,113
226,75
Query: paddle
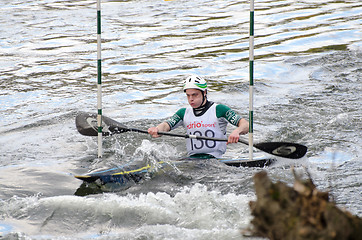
87,125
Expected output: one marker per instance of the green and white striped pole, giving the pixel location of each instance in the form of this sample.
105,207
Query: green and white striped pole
251,80
99,77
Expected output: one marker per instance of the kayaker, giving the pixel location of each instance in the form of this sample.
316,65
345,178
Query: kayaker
203,118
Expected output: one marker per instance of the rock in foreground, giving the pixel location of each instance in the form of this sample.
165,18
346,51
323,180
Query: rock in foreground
299,212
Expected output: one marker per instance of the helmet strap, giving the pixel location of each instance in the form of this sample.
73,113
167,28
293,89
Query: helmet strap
204,98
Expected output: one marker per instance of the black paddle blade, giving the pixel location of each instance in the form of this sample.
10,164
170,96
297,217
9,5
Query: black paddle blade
86,124
283,149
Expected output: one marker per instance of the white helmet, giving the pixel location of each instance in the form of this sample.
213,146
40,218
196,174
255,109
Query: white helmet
195,82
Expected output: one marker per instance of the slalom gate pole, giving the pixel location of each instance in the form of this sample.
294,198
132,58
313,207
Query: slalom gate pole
251,80
99,78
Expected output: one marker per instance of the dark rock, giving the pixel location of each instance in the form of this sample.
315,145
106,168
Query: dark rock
299,212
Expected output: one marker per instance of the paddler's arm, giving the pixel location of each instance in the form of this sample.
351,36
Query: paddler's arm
162,127
243,128
172,123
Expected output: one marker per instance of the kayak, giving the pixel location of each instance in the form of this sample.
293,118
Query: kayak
123,174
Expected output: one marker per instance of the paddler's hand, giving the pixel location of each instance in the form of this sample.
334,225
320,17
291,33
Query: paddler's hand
233,137
243,128
153,131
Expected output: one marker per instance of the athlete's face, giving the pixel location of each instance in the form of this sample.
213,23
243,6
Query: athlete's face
194,97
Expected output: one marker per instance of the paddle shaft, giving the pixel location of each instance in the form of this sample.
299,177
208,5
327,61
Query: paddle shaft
186,136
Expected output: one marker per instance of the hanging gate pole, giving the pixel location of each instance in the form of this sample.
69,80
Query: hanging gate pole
251,79
99,77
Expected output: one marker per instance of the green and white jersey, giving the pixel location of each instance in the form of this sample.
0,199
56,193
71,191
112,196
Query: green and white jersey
210,124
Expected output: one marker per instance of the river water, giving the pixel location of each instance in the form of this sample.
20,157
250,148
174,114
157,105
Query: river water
308,75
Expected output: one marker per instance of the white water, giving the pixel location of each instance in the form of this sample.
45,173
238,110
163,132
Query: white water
129,217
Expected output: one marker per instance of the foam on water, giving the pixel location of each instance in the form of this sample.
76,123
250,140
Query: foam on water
193,211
